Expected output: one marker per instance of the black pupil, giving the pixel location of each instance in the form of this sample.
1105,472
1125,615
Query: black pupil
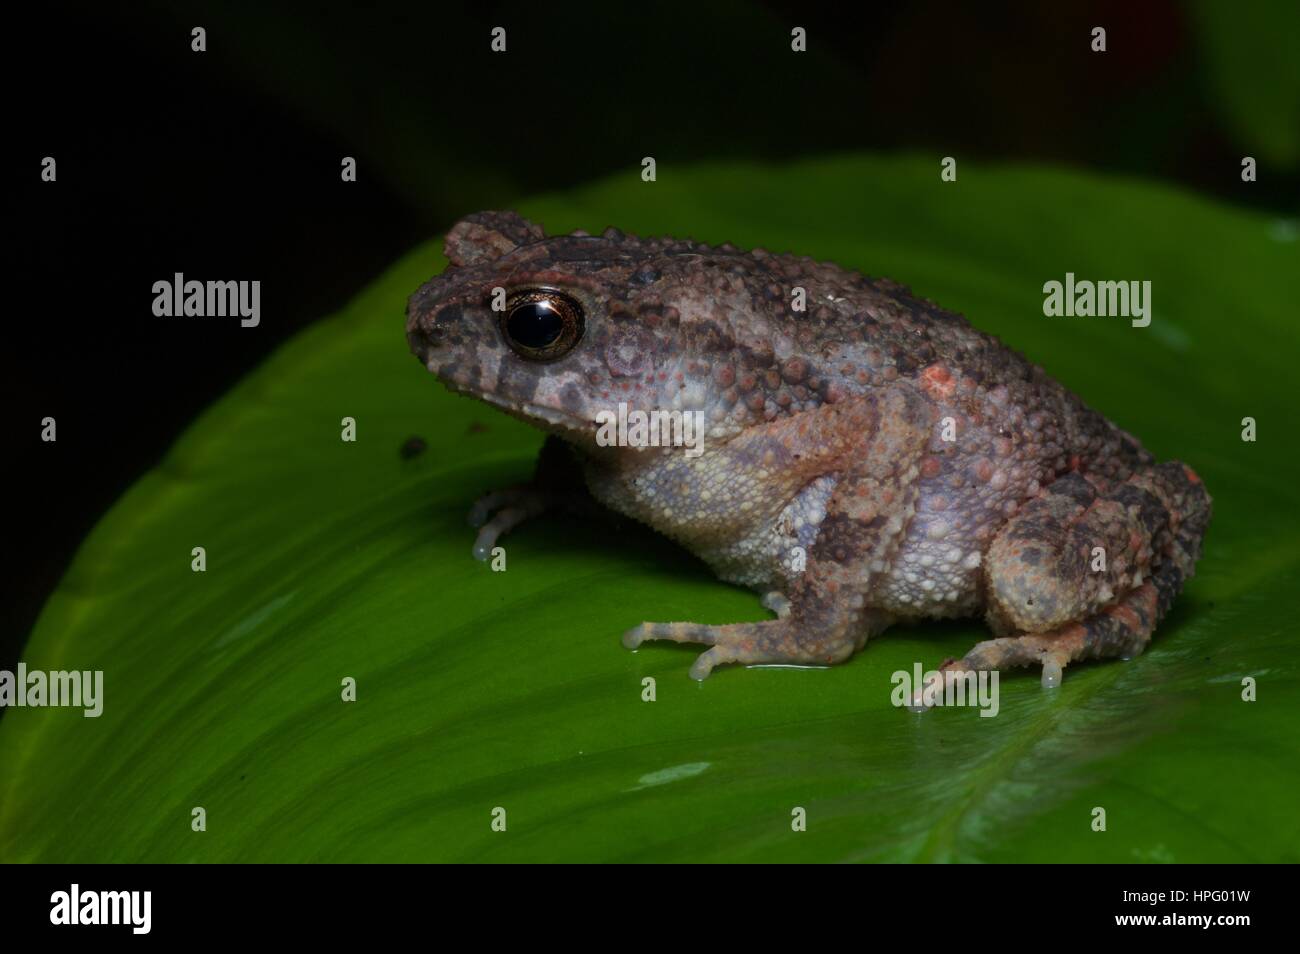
535,324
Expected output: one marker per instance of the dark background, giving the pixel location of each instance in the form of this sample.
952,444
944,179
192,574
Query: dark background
225,164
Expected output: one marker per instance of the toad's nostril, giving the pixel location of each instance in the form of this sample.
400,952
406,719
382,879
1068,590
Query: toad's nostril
446,317
438,324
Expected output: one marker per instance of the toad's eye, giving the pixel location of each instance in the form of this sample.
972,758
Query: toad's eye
542,324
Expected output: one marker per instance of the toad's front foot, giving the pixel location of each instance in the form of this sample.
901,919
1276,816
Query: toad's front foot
497,513
771,641
556,485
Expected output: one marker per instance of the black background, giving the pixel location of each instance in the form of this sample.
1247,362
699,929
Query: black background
225,165
341,905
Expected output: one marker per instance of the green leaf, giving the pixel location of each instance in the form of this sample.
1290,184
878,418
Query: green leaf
328,559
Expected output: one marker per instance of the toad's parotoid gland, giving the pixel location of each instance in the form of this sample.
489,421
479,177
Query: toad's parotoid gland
867,456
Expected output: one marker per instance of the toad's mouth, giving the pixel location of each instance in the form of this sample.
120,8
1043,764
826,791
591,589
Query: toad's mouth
532,412
457,378
537,415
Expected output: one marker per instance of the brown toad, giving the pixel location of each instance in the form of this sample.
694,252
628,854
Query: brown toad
866,458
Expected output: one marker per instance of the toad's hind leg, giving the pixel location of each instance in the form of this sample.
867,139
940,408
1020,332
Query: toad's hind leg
1122,630
1086,571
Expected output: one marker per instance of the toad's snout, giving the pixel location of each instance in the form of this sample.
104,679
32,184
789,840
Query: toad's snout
432,327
